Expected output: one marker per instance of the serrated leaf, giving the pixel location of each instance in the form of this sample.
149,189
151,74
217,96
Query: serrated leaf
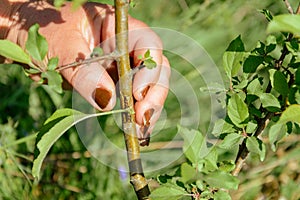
36,44
269,101
236,45
168,191
237,110
150,64
221,195
14,52
276,133
54,127
232,62
54,80
194,146
280,83
53,63
291,114
219,179
256,146
251,63
285,23
231,140
187,172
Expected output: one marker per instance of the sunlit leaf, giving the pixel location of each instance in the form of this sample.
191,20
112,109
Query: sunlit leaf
187,172
168,191
256,146
232,62
269,101
53,63
194,146
54,127
237,110
54,80
285,23
276,133
291,114
14,52
221,195
220,179
231,140
36,44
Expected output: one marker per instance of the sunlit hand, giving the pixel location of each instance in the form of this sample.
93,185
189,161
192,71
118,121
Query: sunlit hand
73,34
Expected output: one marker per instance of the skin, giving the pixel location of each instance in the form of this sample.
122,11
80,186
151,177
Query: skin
73,34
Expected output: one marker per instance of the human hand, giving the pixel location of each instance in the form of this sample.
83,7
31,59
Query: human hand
72,35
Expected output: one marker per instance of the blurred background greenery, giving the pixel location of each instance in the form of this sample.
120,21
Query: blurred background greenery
70,172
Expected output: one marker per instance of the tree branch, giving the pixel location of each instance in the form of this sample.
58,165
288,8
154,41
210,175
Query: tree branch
137,177
289,7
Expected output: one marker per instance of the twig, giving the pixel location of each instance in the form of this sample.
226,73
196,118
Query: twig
111,56
243,151
137,177
289,7
298,9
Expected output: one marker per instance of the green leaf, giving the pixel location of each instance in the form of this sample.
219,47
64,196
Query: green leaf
36,44
256,146
291,114
59,3
150,64
236,45
276,133
97,51
221,195
237,110
147,54
297,77
269,101
211,160
187,172
54,127
232,62
251,127
12,51
280,83
285,23
227,166
255,88
221,126
267,14
53,63
219,179
54,80
168,191
251,63
231,140
194,146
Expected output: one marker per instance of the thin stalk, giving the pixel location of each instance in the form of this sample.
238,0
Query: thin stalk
137,177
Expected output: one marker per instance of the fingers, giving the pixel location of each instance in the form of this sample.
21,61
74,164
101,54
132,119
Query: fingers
149,108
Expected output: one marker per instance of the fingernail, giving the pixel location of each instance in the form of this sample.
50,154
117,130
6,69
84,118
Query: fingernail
102,97
145,140
144,92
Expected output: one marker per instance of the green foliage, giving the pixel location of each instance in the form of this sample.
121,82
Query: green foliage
55,126
14,52
147,60
262,89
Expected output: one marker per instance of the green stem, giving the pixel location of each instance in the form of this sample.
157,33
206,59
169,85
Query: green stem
137,177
